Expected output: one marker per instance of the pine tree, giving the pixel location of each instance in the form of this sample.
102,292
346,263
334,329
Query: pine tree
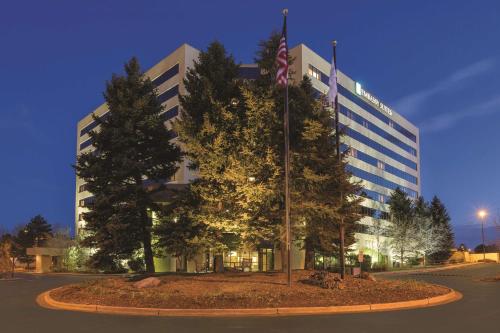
402,228
255,170
132,151
210,130
38,231
320,180
317,177
179,231
441,219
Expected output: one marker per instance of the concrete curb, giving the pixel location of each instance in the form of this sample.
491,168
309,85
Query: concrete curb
46,301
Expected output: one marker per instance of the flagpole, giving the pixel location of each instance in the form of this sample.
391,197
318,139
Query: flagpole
287,172
339,156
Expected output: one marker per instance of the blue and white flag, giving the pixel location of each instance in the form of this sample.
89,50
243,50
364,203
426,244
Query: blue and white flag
332,83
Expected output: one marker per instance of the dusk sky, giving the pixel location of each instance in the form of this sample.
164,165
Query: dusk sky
435,62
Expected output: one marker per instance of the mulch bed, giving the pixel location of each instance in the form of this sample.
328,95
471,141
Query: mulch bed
242,290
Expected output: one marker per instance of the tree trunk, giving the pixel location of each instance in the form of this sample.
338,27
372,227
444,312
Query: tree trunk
146,240
402,256
13,267
219,263
284,257
309,260
342,251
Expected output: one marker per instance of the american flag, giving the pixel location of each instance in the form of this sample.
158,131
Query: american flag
282,59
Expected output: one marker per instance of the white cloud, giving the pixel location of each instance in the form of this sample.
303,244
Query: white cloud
449,119
414,102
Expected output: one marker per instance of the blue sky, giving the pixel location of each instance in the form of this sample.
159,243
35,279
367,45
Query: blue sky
436,62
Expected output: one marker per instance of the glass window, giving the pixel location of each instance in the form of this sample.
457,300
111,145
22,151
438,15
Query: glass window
370,109
365,175
86,144
93,124
168,94
373,195
170,73
374,128
377,146
249,72
379,164
314,72
170,113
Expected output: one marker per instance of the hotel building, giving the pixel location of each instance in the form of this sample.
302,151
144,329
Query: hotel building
384,155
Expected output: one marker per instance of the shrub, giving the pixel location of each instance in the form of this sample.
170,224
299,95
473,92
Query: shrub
379,267
136,265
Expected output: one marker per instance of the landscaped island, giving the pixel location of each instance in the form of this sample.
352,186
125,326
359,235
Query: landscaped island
243,290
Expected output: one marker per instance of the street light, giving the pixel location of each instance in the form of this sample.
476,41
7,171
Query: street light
482,214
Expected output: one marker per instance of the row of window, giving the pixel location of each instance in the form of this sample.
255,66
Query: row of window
379,180
319,75
378,147
86,144
249,72
370,109
170,113
374,128
375,213
171,135
93,124
86,202
375,196
163,97
82,188
168,94
167,75
379,164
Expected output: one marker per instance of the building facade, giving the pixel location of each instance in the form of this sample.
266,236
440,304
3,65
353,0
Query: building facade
383,146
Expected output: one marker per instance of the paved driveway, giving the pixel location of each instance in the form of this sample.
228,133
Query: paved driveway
478,311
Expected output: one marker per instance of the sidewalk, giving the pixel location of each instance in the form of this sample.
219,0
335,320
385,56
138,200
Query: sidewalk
426,269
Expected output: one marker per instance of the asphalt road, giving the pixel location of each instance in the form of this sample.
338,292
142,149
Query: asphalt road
478,311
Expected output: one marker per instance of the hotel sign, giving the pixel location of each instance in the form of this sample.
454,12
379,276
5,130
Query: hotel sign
374,100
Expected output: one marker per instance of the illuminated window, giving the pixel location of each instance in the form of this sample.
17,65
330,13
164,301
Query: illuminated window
353,152
381,165
381,198
314,72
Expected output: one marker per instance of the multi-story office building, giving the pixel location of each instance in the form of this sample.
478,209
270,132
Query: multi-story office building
384,150
384,147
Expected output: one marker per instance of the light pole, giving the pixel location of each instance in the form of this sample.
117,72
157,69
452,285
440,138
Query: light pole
482,213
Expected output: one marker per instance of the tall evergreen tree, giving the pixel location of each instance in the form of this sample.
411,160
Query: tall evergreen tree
441,218
317,178
402,228
210,130
179,231
38,231
319,181
132,151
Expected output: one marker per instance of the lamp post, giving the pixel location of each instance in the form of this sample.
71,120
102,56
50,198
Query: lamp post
481,214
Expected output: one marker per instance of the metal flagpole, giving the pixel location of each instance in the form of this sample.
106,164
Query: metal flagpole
287,171
339,156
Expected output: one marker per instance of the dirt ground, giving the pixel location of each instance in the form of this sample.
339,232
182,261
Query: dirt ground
242,290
